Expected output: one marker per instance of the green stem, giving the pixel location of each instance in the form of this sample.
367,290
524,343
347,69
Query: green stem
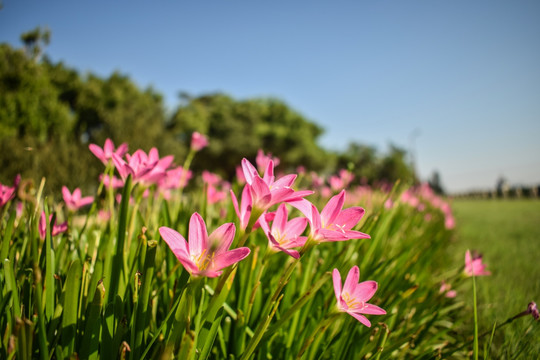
475,350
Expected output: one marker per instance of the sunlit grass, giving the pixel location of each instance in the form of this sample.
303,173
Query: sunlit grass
507,233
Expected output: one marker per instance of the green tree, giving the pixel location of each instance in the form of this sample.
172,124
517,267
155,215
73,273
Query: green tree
237,129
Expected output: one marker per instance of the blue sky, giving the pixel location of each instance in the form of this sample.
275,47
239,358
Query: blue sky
457,82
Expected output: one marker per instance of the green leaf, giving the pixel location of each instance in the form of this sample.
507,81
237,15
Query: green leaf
71,306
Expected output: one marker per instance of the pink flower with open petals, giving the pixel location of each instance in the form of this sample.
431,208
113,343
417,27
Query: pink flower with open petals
56,229
138,165
353,297
204,255
285,235
108,150
333,223
266,192
74,201
474,265
198,141
7,193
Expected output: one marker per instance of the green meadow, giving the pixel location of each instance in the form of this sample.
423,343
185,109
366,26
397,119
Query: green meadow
507,234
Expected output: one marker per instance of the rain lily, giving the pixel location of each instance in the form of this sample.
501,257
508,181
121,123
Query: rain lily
138,165
108,150
353,296
262,160
74,201
198,141
204,255
333,223
474,265
266,192
284,235
6,194
56,229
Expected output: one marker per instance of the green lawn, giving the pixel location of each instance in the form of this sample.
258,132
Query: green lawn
507,233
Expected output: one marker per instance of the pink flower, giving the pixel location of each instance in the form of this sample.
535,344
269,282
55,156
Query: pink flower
74,201
284,235
108,150
198,141
266,192
111,181
210,178
353,296
204,255
262,160
474,266
175,178
333,223
447,290
56,229
7,193
138,166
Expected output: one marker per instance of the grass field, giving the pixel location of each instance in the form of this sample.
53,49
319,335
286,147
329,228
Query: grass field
507,233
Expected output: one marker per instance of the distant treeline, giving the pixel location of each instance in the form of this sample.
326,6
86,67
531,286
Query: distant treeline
510,192
50,113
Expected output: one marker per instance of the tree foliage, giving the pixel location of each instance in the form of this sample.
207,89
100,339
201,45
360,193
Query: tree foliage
50,113
238,128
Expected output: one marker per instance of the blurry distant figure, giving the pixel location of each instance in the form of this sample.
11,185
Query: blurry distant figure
502,187
435,183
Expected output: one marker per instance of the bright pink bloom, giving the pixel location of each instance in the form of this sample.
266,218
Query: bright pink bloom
74,201
284,235
108,150
262,160
198,141
56,229
266,192
204,255
333,223
6,194
474,265
353,297
138,166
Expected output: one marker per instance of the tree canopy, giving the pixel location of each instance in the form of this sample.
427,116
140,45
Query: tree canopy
50,113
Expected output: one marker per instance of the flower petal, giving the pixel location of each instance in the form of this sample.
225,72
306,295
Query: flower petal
336,278
250,172
332,208
198,236
220,240
365,290
348,218
360,318
351,281
176,242
228,258
371,309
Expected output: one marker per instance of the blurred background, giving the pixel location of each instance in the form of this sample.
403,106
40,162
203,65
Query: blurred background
446,92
